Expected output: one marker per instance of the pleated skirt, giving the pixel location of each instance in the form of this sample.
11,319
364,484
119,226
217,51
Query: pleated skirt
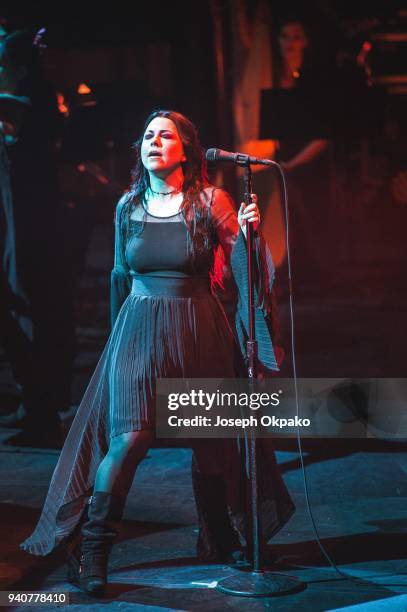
167,328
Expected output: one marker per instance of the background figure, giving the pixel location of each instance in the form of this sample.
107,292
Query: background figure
294,113
43,273
15,324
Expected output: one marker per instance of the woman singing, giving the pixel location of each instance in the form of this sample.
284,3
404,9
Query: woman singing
175,235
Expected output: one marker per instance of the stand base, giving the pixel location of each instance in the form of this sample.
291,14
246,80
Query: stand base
259,584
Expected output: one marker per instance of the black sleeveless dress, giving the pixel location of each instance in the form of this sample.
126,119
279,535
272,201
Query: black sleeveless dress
166,322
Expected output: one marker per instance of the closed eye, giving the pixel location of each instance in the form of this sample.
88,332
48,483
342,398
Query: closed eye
150,135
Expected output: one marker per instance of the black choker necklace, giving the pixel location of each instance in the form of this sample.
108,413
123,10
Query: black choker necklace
165,193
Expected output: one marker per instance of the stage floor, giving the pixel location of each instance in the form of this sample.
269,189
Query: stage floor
358,500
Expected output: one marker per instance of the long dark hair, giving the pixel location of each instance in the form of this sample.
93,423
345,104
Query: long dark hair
194,209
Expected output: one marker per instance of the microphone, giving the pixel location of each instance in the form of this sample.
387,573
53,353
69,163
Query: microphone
240,159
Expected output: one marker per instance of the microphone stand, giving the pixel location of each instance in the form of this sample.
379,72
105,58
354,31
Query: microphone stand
257,582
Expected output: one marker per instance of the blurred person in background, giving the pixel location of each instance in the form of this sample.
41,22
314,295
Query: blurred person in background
40,264
15,321
300,96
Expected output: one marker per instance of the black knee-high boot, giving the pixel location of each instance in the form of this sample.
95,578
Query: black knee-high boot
98,534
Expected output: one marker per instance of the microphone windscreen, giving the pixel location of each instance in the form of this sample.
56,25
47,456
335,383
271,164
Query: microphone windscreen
211,154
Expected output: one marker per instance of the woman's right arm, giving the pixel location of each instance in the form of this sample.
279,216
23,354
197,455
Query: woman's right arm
311,150
120,276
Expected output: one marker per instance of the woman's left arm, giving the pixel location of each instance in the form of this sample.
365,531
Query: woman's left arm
230,232
230,228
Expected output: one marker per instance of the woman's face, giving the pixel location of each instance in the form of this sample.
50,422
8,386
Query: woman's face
162,150
292,40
